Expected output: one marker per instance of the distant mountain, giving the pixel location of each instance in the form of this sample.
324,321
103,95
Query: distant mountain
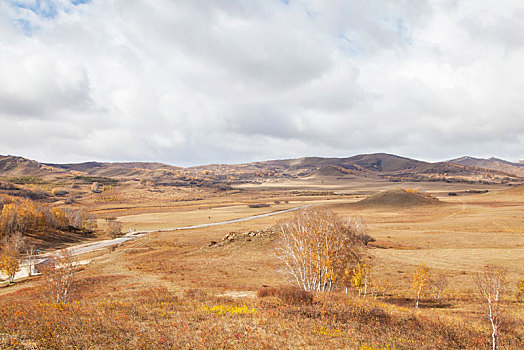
372,166
14,166
378,165
516,169
130,169
11,166
360,164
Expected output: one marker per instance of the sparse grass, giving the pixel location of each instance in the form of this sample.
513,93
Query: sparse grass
154,318
288,295
132,297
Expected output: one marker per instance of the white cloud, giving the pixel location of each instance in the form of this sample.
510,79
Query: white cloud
192,82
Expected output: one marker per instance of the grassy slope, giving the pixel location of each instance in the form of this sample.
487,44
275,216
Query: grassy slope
137,295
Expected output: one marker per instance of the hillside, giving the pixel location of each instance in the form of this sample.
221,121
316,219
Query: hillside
492,163
11,166
217,282
14,166
114,169
373,166
379,165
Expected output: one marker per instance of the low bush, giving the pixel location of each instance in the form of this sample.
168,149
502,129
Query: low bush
259,205
154,318
288,295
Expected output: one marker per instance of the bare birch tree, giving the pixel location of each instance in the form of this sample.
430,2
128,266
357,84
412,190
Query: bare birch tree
31,256
58,276
437,284
490,288
316,247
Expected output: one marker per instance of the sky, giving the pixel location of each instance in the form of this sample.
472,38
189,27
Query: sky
191,82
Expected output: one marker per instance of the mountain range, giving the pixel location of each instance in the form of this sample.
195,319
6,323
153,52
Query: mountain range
377,165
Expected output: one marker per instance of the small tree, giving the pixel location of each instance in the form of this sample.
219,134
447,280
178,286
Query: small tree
9,265
81,220
490,288
359,225
114,228
316,246
88,222
31,253
360,279
57,277
95,187
379,287
10,256
437,284
420,281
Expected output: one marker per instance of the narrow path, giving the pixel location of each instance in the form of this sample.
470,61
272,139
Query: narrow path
89,247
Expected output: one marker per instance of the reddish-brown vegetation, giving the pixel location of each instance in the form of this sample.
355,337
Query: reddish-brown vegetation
157,319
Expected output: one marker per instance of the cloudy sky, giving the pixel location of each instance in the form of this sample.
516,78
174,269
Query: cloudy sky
203,81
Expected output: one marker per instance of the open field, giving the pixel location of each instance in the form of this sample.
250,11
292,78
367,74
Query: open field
173,279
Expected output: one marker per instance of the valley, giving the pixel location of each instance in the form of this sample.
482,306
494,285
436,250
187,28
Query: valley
204,285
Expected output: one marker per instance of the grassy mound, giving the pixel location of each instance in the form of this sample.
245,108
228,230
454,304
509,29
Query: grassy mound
399,198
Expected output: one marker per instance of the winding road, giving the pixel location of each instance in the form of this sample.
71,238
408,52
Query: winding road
89,247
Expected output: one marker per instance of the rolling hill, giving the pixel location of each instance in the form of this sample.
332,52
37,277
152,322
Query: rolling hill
12,166
379,166
516,169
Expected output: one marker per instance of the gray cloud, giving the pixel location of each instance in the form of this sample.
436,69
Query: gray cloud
192,82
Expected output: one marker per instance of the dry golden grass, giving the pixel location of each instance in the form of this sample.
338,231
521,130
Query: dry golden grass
455,239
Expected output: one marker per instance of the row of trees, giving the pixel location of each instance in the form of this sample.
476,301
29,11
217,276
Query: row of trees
23,215
18,216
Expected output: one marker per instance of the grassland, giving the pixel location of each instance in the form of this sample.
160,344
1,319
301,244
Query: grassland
174,289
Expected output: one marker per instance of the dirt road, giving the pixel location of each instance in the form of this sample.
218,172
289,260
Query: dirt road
89,247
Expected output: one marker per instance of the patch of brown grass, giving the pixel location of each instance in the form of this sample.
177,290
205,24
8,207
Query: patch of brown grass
154,318
287,294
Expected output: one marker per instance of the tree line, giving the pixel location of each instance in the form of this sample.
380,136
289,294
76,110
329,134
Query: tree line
24,215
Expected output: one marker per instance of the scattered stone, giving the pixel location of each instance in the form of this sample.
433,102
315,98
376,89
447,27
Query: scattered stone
244,236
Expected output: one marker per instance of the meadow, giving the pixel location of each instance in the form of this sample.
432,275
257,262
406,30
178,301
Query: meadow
193,289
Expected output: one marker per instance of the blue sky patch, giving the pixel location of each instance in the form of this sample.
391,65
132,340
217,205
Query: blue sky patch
80,2
42,8
45,9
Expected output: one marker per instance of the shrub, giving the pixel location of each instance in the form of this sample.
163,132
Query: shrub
288,295
258,205
59,193
114,228
7,186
